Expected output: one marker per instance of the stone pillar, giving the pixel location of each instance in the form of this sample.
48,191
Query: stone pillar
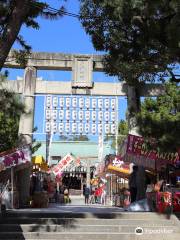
26,127
27,120
133,108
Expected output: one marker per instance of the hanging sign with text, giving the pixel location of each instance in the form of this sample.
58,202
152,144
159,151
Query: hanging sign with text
137,148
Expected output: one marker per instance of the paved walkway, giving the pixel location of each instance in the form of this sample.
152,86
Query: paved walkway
77,205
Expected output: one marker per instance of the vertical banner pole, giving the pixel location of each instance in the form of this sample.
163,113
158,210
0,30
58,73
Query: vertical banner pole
117,119
111,191
12,187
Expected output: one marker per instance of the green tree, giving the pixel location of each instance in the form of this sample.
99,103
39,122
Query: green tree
159,119
80,138
141,39
11,108
74,138
14,14
142,42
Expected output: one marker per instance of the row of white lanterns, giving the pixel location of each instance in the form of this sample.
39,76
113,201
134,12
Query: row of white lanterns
80,128
80,115
81,102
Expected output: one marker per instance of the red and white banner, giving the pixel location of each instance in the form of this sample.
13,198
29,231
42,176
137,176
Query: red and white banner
62,164
13,158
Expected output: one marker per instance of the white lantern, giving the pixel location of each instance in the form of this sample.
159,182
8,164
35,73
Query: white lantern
100,128
87,103
61,127
106,116
61,114
106,103
93,128
113,116
81,102
113,103
80,127
54,127
48,101
48,127
74,102
74,128
61,102
74,115
100,116
67,127
87,115
81,115
93,116
94,102
68,115
48,114
100,103
107,128
87,128
113,129
54,114
55,101
68,102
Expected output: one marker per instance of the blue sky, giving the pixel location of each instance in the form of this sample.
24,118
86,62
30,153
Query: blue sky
65,35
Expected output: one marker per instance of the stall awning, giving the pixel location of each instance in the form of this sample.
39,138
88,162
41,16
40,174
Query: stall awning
39,160
123,169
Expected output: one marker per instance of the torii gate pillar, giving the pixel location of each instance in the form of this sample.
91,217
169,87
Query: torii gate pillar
26,128
27,119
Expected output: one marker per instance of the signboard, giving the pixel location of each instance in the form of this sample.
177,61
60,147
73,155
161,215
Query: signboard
115,163
81,115
62,164
17,157
137,151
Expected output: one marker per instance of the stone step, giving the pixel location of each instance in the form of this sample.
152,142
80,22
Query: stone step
119,215
89,236
85,228
88,221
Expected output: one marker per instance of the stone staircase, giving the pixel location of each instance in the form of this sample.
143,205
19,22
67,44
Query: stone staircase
87,226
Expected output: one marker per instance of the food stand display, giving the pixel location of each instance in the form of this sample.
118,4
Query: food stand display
117,173
39,195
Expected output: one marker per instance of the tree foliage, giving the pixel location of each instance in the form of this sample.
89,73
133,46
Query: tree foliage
14,14
159,119
11,109
74,138
141,37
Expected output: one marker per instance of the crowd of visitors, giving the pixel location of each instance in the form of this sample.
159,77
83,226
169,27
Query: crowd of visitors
96,195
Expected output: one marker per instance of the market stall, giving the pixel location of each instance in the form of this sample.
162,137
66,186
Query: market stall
15,165
165,167
39,184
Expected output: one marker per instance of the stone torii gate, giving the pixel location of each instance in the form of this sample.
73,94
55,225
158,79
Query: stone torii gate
82,67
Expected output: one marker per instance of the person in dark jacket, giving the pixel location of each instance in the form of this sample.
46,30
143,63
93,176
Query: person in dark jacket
86,194
133,184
